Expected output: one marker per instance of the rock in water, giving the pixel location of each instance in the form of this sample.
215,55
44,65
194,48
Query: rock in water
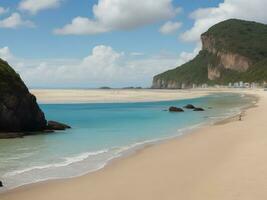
1,184
198,109
19,111
52,125
175,109
189,106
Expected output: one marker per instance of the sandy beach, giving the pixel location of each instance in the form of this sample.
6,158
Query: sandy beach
111,95
226,161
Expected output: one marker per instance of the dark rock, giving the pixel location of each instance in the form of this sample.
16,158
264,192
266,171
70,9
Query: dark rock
1,184
189,106
175,109
198,109
19,111
52,125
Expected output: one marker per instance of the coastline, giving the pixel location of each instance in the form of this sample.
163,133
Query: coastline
115,166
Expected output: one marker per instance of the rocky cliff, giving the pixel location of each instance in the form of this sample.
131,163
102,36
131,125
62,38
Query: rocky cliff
18,108
233,50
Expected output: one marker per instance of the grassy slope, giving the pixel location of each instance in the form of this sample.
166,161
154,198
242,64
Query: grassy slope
194,71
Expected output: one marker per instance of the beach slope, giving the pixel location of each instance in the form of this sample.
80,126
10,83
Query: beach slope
227,161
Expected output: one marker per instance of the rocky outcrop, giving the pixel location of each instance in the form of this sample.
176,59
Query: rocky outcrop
198,109
20,114
175,109
189,106
159,83
18,108
234,61
213,73
53,125
1,184
225,60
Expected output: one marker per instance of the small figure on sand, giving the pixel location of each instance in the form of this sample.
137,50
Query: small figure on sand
240,117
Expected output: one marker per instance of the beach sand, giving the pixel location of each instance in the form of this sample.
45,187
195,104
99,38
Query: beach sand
227,161
111,95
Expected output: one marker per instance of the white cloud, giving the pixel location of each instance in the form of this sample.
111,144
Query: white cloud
186,56
3,10
170,27
34,6
103,67
14,21
112,15
5,54
206,17
82,25
137,54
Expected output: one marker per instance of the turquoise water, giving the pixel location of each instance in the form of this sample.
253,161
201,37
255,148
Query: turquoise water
101,132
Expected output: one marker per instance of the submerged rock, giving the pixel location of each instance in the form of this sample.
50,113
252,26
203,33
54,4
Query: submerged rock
198,109
175,109
189,106
53,125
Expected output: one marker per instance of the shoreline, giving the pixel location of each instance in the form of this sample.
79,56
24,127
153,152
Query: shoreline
130,154
130,150
136,147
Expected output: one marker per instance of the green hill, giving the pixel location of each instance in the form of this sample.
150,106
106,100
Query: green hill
232,50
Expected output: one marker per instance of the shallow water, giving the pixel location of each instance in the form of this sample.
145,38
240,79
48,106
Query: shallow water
101,132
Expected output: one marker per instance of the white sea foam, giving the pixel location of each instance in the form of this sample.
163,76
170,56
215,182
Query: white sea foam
67,161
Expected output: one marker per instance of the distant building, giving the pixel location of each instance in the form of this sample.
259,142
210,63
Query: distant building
247,85
205,85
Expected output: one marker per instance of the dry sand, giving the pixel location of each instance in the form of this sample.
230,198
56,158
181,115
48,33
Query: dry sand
220,162
111,95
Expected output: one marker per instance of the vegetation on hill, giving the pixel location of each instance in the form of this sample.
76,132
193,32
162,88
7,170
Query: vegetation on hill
247,40
243,37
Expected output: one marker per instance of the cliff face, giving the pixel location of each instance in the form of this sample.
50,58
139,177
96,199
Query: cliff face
226,60
233,50
18,108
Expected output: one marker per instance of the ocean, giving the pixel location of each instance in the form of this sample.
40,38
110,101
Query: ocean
104,131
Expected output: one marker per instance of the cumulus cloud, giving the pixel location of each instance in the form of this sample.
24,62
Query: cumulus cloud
112,15
82,25
186,56
34,6
14,21
170,27
104,66
3,10
206,17
6,54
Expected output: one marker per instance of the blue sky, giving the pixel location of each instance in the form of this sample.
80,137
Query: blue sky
41,38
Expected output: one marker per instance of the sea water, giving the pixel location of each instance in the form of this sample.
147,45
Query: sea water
101,132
